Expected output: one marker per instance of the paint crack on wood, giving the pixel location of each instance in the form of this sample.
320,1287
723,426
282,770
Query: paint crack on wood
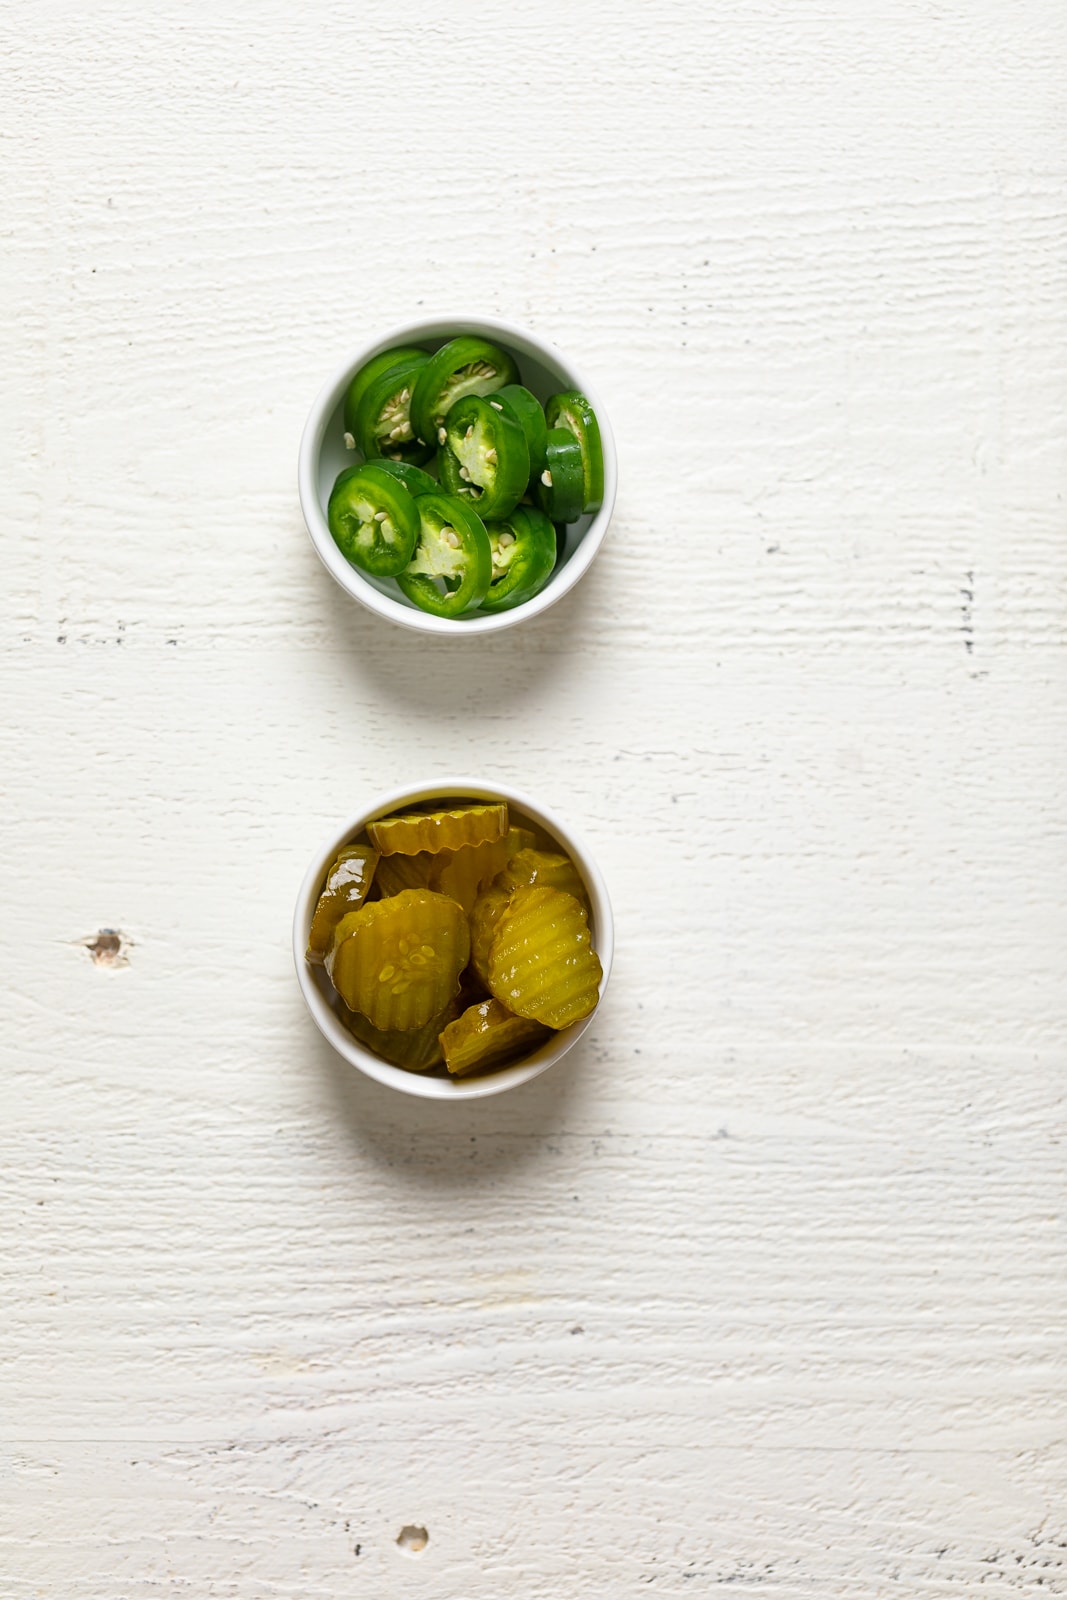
412,1540
968,614
108,948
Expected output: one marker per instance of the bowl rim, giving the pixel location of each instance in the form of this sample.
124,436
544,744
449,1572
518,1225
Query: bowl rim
350,579
326,1021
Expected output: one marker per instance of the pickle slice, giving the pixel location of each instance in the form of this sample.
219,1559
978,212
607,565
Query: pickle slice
463,874
517,839
486,914
547,868
411,831
541,962
345,889
488,1035
398,961
417,1050
396,873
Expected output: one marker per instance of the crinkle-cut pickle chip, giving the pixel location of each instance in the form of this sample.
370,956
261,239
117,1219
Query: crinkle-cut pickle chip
489,1035
345,889
398,961
546,868
487,912
541,962
396,873
411,831
463,874
417,1050
517,839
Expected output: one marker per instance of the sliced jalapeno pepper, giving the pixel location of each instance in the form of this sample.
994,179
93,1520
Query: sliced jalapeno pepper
374,520
530,415
415,481
572,411
560,487
484,459
524,553
383,415
467,365
451,568
385,361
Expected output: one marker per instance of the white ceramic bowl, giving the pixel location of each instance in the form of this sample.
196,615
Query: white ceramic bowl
318,991
323,455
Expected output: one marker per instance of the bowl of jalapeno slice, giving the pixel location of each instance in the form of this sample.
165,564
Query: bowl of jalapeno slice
453,940
457,475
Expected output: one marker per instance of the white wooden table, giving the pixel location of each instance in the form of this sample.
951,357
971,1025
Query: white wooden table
764,1288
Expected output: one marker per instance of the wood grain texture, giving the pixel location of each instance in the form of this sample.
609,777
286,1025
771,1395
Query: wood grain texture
765,1288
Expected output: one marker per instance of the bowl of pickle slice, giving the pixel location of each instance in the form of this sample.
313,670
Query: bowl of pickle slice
453,940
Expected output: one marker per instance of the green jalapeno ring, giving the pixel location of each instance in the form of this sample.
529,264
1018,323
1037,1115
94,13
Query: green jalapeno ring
384,361
413,478
373,520
383,415
463,366
524,554
530,415
484,459
572,411
559,489
452,548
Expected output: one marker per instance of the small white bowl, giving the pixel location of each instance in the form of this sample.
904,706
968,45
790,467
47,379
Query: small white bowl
318,991
323,455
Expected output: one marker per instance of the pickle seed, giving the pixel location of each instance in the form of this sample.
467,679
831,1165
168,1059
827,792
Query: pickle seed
428,951
386,973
